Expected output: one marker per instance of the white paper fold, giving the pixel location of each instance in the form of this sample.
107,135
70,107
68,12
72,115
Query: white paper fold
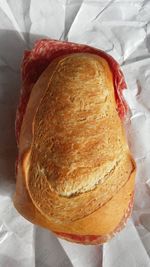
124,251
80,255
122,28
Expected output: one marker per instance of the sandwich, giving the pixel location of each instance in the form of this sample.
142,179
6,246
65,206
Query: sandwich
75,173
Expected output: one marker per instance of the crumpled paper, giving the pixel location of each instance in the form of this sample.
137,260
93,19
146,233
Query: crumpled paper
122,28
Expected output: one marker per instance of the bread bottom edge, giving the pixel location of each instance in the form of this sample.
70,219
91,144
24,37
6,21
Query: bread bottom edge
95,239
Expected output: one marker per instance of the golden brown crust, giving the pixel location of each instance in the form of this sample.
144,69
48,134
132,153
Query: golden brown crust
74,158
99,239
102,222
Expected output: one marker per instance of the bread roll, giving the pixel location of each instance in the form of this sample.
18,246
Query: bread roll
75,172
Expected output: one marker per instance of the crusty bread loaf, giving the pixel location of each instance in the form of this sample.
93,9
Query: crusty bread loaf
75,173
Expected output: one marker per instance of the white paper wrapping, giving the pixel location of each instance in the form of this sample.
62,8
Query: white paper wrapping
122,28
